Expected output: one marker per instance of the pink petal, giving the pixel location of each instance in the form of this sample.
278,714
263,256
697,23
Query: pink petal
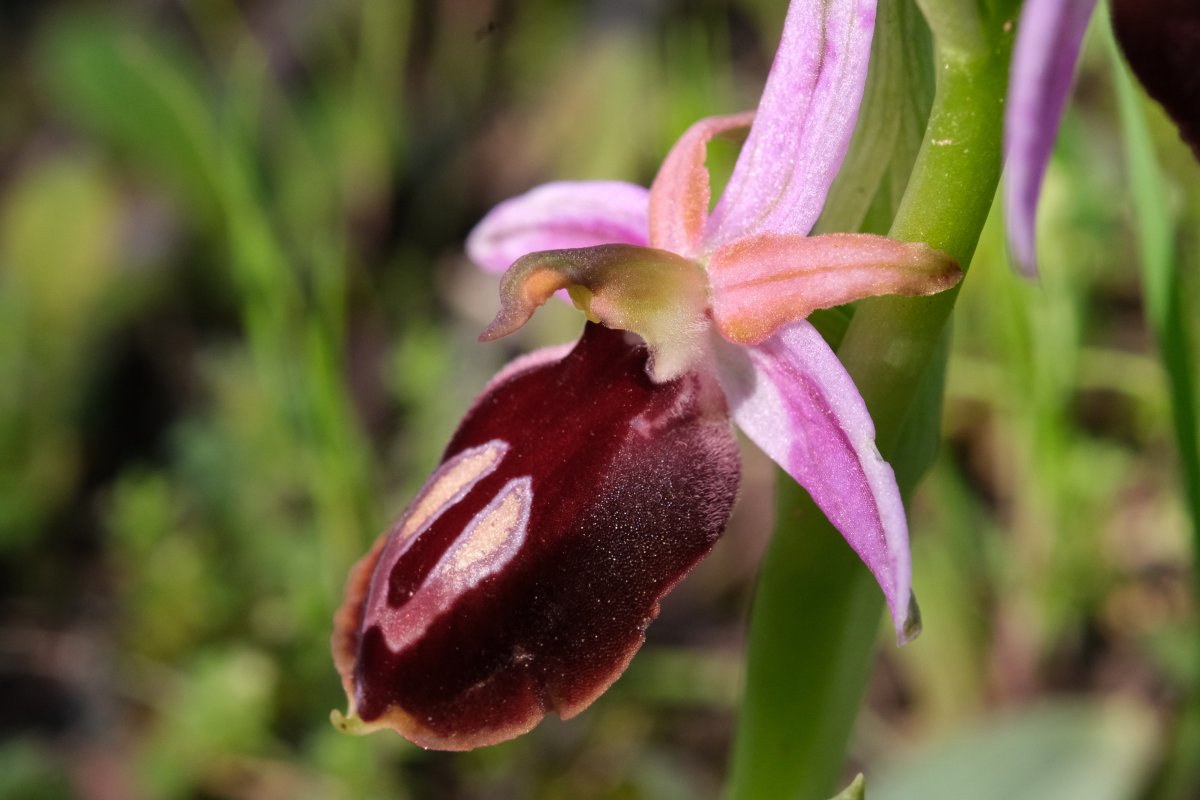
1043,66
765,281
796,401
680,193
803,124
557,216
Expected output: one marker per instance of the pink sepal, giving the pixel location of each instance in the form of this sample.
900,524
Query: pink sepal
803,123
559,216
796,401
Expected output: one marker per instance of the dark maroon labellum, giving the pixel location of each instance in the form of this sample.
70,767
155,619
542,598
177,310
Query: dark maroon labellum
1161,42
574,495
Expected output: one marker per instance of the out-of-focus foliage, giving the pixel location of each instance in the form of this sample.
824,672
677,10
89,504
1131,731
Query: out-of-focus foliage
236,328
1066,752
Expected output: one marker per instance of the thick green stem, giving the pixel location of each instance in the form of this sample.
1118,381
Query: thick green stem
817,608
888,346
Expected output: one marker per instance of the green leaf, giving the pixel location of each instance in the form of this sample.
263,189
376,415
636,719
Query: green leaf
921,435
1067,751
816,613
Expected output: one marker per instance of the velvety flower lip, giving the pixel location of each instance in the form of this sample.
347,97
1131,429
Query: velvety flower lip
582,486
575,493
1049,37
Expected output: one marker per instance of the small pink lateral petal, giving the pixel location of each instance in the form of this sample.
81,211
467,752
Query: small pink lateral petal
766,281
558,216
680,193
803,124
796,401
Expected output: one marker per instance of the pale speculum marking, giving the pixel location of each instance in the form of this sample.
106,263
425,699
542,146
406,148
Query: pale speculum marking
491,540
488,542
447,486
450,483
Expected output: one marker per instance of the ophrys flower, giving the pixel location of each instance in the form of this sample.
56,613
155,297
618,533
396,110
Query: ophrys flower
583,484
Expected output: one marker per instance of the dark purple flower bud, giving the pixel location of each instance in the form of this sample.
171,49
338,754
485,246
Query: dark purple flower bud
1161,42
574,495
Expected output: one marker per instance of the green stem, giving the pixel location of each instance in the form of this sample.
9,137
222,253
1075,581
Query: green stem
817,608
890,342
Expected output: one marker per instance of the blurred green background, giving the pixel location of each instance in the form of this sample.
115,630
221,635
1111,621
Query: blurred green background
237,327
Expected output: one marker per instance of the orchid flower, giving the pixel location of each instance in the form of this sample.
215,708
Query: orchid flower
1159,38
586,481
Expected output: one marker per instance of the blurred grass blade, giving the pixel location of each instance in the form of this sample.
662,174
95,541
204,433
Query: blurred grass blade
140,93
1160,281
1155,230
61,292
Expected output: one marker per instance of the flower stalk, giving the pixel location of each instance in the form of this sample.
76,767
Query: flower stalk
799,709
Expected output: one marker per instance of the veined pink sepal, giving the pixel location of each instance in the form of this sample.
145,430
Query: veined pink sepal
523,576
560,215
796,401
763,282
802,125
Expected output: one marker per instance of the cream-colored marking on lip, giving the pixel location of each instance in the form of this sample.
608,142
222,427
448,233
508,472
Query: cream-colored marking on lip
492,538
484,547
450,484
462,472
